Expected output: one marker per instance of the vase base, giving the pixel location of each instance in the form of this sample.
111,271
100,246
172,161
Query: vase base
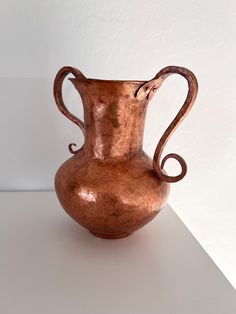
111,236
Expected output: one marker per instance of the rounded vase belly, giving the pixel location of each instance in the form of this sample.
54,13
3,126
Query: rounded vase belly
111,199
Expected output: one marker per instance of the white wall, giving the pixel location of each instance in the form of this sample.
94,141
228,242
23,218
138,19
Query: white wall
126,40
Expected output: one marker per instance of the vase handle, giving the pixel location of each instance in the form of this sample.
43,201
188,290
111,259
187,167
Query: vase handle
57,90
147,90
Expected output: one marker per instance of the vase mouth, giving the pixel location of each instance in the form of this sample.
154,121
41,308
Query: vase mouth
93,80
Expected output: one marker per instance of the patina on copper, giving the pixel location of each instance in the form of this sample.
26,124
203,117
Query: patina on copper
110,186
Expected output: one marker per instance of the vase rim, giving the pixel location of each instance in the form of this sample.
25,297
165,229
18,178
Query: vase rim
108,81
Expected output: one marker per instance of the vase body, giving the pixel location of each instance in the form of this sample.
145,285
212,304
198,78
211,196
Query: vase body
109,185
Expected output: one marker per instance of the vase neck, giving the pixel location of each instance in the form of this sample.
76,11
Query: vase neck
113,117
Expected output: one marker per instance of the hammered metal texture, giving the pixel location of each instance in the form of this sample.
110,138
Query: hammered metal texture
110,186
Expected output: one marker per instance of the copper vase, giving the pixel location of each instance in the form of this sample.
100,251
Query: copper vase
109,185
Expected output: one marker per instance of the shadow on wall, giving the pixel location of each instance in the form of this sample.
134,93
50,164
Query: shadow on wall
34,134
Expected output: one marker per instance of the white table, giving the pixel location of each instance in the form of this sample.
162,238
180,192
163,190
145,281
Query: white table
51,265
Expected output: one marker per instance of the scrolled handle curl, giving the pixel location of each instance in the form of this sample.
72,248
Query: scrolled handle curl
147,90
